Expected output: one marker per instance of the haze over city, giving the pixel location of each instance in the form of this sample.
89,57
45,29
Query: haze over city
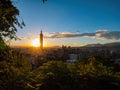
59,44
69,22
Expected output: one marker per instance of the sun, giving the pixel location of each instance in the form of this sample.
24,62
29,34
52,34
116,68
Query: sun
36,42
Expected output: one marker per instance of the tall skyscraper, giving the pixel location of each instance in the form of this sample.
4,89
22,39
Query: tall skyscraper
41,40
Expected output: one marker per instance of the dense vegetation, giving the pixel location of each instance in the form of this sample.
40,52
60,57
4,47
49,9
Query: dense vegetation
93,73
90,74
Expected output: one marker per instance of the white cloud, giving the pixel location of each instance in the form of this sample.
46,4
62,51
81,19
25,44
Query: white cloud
101,34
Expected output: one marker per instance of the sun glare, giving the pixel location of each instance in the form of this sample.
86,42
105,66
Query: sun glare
35,42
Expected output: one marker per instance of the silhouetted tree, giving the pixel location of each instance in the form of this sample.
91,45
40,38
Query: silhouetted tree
44,1
9,19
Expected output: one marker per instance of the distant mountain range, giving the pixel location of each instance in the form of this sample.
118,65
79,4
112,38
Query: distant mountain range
114,44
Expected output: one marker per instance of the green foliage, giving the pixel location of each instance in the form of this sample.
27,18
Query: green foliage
44,1
14,67
95,73
3,46
57,75
51,75
8,19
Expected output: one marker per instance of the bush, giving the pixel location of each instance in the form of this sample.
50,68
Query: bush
57,75
14,67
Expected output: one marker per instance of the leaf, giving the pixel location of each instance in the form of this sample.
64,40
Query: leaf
30,86
44,1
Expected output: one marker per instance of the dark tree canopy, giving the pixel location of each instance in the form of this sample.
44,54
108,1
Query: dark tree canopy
8,19
44,1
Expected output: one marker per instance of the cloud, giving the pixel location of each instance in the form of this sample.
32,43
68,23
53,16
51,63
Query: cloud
100,34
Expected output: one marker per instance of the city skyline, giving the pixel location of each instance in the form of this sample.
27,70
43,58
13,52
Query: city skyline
69,22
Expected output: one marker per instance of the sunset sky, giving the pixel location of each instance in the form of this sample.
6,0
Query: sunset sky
69,22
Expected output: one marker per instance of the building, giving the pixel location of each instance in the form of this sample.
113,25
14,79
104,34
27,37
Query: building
41,40
72,58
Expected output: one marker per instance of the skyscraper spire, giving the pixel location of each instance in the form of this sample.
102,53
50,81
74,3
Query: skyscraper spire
41,40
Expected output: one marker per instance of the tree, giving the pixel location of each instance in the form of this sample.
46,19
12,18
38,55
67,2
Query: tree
44,1
9,19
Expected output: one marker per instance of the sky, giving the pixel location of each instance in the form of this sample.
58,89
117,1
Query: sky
69,22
